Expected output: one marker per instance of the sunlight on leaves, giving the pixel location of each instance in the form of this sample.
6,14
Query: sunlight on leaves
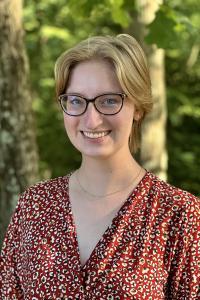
52,32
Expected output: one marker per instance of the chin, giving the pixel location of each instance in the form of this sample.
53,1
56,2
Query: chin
98,153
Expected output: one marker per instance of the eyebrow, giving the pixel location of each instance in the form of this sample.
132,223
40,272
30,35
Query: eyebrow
102,93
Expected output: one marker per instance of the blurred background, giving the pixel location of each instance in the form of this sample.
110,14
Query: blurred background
34,33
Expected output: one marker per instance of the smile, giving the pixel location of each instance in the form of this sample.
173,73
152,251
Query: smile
95,135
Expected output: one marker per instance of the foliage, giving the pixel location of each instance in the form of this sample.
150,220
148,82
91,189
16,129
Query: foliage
170,27
182,77
52,26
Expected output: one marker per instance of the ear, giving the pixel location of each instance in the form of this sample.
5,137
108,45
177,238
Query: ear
137,115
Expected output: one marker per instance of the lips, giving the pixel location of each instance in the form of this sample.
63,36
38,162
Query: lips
95,135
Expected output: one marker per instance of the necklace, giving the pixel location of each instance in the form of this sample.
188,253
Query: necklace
109,194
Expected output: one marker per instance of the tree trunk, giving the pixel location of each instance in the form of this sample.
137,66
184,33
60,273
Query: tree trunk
153,154
153,146
18,152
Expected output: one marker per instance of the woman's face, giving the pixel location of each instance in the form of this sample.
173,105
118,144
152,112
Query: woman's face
90,79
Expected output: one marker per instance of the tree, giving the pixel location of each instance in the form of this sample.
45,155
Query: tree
18,157
153,154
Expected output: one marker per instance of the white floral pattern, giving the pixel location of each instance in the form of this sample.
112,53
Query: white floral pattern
150,251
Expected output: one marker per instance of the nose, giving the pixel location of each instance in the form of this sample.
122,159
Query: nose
92,118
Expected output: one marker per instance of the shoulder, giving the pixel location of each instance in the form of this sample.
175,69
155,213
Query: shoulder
162,188
175,212
49,185
44,192
170,196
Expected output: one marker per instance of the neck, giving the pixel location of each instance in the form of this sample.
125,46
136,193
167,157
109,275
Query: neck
101,177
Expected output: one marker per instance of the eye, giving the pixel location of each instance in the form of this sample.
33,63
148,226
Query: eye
111,101
75,100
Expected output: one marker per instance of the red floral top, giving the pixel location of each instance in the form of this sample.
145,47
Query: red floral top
150,251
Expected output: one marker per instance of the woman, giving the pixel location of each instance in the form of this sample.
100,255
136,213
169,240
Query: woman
109,230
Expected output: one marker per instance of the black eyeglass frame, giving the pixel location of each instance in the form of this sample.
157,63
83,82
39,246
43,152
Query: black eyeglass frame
92,100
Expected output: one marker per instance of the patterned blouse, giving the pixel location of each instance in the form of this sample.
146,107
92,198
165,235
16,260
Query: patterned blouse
150,251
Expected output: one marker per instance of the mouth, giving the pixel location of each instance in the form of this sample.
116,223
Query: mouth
95,135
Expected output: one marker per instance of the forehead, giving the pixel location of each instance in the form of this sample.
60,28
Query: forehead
93,77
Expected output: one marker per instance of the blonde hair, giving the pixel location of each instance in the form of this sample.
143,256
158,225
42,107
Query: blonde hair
130,66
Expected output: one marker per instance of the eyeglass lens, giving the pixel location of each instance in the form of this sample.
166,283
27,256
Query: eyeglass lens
105,104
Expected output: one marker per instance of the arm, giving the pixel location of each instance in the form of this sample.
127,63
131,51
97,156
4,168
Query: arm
10,288
184,276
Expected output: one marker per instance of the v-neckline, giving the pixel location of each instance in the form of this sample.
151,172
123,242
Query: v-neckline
127,202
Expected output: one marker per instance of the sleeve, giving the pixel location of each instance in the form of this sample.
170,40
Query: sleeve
10,288
184,276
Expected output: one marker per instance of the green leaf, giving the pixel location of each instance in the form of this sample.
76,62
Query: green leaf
120,17
52,32
162,31
169,28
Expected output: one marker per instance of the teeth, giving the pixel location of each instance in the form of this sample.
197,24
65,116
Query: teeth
94,135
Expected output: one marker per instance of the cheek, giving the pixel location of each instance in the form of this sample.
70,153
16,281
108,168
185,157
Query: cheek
66,124
70,125
128,127
127,122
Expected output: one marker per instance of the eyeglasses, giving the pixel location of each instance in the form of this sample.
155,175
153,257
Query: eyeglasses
106,104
